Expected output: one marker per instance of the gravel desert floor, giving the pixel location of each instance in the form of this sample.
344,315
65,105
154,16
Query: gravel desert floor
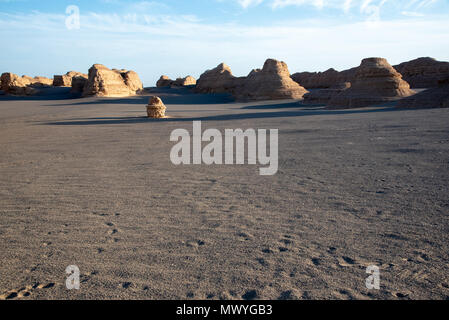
89,182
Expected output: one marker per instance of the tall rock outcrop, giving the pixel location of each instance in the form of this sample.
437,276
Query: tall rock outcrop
376,81
270,83
423,72
105,82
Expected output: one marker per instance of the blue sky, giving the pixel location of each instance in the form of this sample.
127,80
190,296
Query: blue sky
179,37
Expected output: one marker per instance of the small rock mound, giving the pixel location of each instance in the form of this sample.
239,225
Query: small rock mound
105,82
423,72
156,108
430,98
376,81
270,83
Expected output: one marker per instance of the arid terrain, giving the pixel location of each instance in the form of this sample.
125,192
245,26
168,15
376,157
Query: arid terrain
89,182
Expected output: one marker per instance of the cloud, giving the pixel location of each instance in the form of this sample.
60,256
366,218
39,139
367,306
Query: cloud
247,3
177,45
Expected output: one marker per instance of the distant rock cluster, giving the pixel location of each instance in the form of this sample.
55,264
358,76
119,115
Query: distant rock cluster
165,81
269,83
374,81
22,86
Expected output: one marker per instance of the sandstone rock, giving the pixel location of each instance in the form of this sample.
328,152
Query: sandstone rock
66,80
164,81
270,83
132,81
423,72
156,108
431,98
15,85
376,81
105,82
218,80
78,83
183,82
42,81
324,80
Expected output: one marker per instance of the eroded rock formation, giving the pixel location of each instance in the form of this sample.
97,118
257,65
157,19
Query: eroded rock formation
218,80
431,98
156,108
15,85
105,82
376,81
66,79
324,80
423,72
270,83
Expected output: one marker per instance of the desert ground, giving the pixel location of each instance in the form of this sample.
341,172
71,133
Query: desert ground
89,182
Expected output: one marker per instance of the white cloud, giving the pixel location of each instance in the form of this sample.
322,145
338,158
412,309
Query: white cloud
179,45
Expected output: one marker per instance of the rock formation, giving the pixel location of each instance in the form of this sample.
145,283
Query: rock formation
324,80
270,83
218,80
423,72
78,83
376,81
66,80
156,108
184,82
15,85
105,82
323,96
42,81
165,81
431,98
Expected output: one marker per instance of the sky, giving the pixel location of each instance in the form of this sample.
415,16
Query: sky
180,37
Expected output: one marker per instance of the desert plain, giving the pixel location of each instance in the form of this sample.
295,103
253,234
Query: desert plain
89,182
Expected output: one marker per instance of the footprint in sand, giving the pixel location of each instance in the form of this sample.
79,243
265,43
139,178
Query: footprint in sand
243,236
346,262
195,243
25,292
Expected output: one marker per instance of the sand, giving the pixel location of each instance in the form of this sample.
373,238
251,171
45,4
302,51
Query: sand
89,182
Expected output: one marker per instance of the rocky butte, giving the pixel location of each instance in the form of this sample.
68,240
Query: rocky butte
376,81
104,82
